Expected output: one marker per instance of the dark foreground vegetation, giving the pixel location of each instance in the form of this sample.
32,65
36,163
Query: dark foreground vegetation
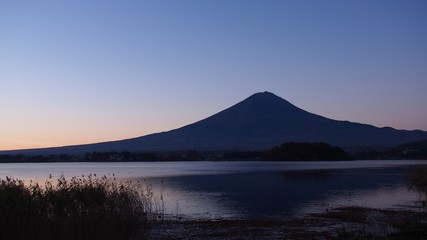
81,208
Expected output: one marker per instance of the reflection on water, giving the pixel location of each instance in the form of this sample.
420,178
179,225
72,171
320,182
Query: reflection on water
249,189
281,193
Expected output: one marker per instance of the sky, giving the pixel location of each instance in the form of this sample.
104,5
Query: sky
74,72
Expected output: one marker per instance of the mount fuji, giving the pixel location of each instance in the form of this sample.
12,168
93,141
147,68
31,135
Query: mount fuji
259,122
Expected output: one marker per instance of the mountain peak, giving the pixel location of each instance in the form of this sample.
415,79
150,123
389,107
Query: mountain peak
266,102
264,95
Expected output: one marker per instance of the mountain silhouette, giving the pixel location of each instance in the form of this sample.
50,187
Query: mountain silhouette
259,122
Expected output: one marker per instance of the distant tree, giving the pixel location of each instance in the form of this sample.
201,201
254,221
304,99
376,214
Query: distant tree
193,155
412,150
242,155
300,151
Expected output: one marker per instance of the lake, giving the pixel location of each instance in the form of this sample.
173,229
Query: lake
210,190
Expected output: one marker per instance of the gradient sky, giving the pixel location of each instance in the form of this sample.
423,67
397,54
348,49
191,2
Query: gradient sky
83,71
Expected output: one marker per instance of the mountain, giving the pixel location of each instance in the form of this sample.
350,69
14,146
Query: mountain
259,122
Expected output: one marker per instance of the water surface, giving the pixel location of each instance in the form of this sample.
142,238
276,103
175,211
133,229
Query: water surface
248,189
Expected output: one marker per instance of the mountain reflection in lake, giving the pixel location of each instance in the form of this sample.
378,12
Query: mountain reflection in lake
271,193
248,189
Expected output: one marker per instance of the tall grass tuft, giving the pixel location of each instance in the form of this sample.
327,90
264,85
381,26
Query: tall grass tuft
418,181
79,208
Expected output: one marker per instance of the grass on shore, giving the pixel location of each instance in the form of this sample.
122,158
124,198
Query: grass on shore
79,208
418,181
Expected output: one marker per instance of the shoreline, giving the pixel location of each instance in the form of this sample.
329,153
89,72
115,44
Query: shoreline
350,222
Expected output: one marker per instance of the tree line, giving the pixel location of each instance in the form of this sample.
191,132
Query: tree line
289,151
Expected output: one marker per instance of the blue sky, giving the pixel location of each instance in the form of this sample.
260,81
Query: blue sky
87,71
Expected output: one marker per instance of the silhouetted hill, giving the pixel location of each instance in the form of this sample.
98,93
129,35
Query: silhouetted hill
260,122
417,145
298,151
412,150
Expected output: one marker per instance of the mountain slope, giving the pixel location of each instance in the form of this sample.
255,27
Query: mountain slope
259,122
